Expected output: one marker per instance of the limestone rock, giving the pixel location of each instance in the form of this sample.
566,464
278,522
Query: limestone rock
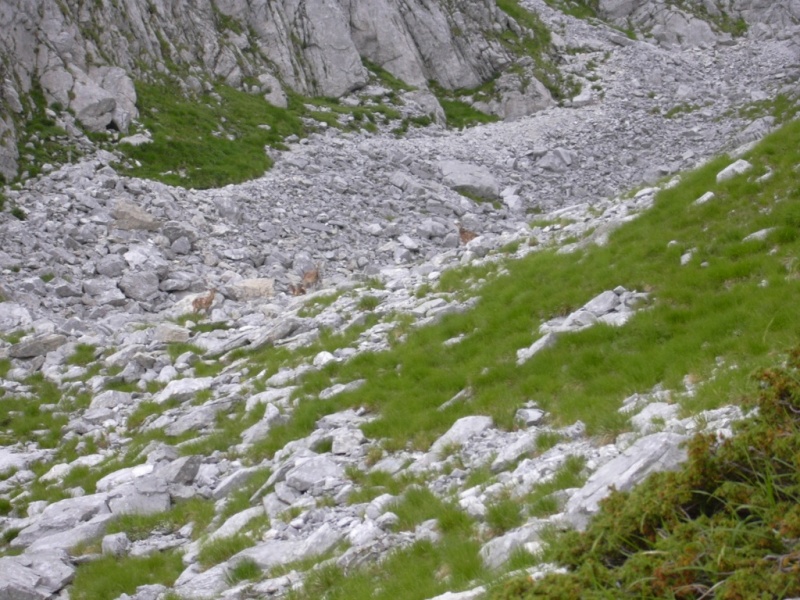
37,346
313,473
131,216
460,433
13,316
470,178
656,452
739,167
252,289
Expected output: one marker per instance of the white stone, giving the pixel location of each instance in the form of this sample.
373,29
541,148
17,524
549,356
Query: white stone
740,167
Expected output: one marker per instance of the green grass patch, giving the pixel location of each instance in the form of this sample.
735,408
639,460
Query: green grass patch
33,419
221,549
317,304
175,349
107,578
504,514
240,499
581,9
245,570
84,354
458,113
228,432
681,109
209,140
540,501
139,527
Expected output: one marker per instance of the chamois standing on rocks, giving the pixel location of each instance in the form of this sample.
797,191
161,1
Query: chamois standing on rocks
312,279
295,289
204,302
464,234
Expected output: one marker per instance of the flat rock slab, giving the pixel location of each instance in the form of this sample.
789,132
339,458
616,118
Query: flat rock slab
469,178
29,577
14,316
657,452
252,289
740,167
279,552
37,346
183,389
548,340
313,473
62,516
461,431
497,551
131,216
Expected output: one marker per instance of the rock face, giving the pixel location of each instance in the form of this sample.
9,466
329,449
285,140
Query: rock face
85,57
699,23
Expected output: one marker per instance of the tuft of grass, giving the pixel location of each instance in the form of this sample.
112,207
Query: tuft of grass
581,9
175,349
546,440
107,578
83,355
240,499
221,549
539,502
680,109
245,570
139,527
504,514
368,303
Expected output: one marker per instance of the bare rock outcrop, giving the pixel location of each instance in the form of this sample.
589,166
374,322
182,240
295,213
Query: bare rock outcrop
84,57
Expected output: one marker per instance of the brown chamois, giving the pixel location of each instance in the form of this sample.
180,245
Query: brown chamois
312,279
296,289
204,302
465,235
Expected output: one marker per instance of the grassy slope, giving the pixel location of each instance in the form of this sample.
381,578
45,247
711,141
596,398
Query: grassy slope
733,301
739,307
